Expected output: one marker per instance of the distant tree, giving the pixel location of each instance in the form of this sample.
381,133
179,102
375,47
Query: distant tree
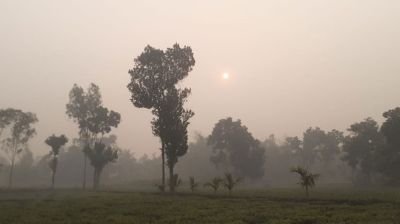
193,184
388,158
19,131
307,179
361,145
153,83
230,182
55,143
214,184
81,106
232,141
99,157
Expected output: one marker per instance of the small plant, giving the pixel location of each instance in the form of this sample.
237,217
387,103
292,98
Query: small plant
307,179
193,184
214,184
160,187
230,182
174,182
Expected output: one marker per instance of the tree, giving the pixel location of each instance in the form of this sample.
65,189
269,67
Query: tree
153,80
388,158
193,184
232,141
172,127
230,182
80,108
55,143
361,145
18,125
307,179
214,184
99,157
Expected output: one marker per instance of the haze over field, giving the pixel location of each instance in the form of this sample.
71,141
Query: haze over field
292,64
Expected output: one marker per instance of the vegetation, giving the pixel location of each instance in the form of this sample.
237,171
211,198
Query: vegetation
15,125
153,86
55,143
272,206
214,184
193,184
307,179
230,182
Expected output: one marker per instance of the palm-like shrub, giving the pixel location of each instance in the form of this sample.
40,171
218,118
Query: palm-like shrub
174,182
214,184
230,182
307,179
193,184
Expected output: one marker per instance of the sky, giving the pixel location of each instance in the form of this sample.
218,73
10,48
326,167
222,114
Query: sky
292,64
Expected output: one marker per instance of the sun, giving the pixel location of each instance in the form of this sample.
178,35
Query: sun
225,76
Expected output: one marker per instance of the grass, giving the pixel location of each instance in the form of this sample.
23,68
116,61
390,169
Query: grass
271,206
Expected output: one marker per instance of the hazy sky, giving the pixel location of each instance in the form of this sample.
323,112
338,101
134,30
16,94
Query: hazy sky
293,64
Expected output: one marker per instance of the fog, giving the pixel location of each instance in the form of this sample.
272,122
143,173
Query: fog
293,64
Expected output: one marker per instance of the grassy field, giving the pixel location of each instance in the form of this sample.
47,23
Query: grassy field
272,206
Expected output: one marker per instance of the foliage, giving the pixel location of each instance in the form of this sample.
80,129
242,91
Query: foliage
214,184
19,130
234,145
230,182
153,86
307,179
175,182
361,146
99,157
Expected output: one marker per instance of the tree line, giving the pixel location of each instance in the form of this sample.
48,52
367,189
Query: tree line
371,153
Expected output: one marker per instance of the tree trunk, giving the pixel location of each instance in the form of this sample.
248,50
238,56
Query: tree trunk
163,166
307,194
95,179
84,171
171,181
53,177
11,172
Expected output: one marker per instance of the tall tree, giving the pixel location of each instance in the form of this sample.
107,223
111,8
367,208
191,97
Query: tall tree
389,155
55,142
361,145
153,78
81,107
18,127
171,126
100,123
233,141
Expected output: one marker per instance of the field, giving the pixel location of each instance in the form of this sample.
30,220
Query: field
270,206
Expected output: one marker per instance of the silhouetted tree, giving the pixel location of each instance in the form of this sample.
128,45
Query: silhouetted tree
388,157
17,124
153,79
172,127
81,106
361,145
214,184
307,179
230,182
55,143
100,155
231,140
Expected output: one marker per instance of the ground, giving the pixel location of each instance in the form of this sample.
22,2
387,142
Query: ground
269,206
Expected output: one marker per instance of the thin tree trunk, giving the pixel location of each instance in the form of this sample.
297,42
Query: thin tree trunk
95,179
163,166
84,171
171,181
11,172
307,194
